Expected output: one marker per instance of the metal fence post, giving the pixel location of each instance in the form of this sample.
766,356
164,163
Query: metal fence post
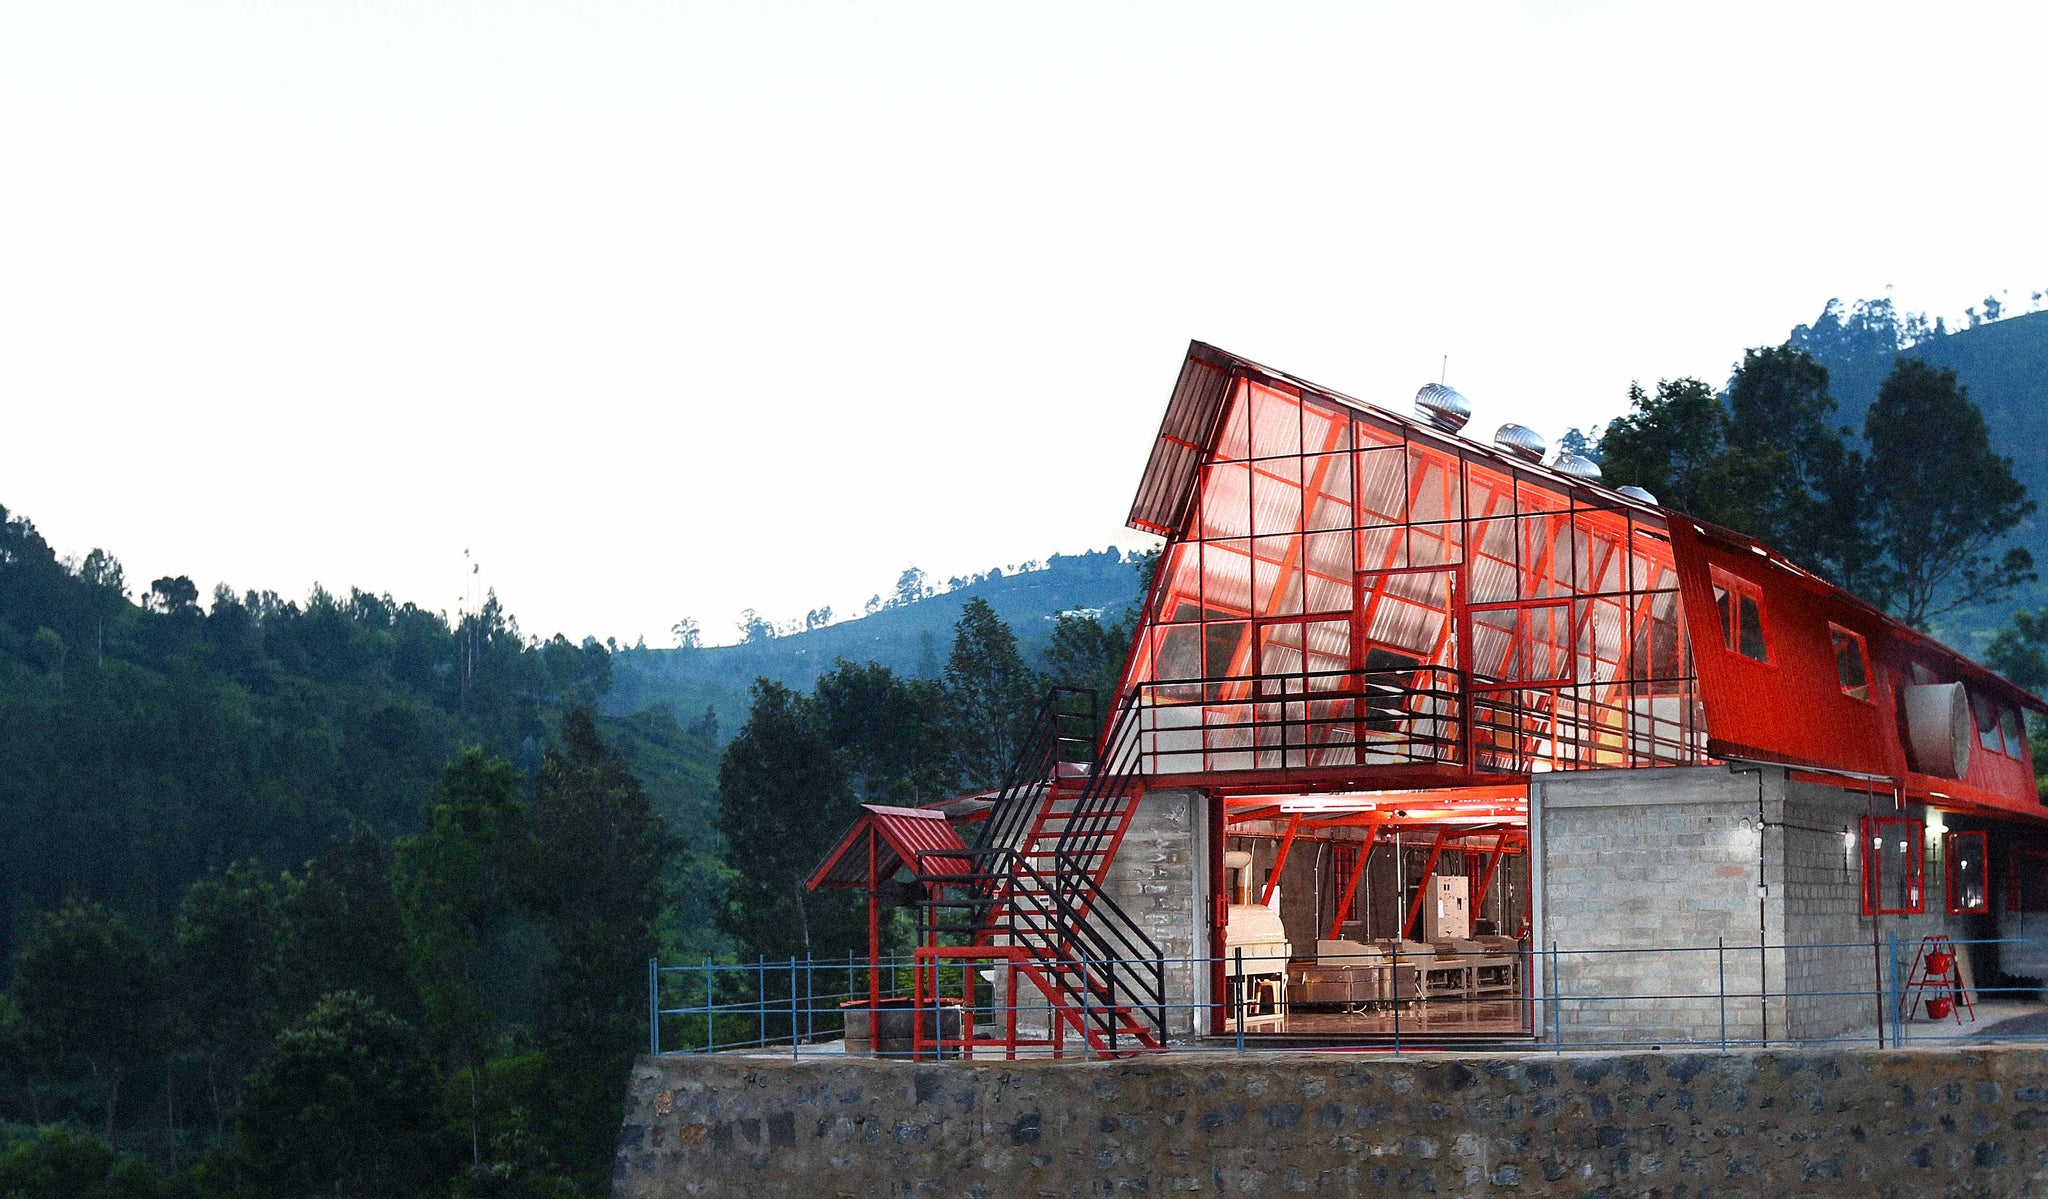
1556,1002
1721,961
1395,986
1241,1005
653,1008
794,1039
1085,987
1891,939
710,1009
761,995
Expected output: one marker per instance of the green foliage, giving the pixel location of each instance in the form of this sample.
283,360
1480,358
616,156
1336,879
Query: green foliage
990,696
55,1162
1674,444
90,994
784,800
175,740
1803,487
1087,652
47,650
596,890
224,975
2019,651
225,782
1912,528
340,930
1940,499
888,732
344,1105
456,884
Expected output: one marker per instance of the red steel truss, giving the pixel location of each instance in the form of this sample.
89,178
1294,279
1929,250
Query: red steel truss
1352,599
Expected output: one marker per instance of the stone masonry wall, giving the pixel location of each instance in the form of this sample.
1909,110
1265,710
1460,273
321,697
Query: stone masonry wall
1895,1124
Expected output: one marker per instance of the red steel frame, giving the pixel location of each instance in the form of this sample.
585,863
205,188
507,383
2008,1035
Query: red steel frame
1245,573
1297,506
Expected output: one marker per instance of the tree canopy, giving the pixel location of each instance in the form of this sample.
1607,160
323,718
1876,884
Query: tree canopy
1912,521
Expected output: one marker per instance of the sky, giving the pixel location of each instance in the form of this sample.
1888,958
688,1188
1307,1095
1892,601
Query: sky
666,310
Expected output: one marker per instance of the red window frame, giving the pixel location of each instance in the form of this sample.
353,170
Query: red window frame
2022,861
1838,639
1739,589
1957,851
1878,833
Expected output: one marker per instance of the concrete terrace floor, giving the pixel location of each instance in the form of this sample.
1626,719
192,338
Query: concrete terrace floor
2003,1020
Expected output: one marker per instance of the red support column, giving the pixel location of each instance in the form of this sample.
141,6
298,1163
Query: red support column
1492,864
1280,863
874,933
1422,886
1372,832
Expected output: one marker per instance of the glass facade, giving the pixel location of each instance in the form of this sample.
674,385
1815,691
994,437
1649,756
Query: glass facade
1351,593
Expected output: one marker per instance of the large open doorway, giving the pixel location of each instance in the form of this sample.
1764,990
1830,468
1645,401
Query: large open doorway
1373,915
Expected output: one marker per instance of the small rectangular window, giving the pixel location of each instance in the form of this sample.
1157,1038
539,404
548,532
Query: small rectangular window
1967,887
1894,862
2015,730
1741,605
1852,662
1986,714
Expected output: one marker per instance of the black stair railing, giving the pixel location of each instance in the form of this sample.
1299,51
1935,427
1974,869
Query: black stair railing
1131,967
1054,738
1097,813
1106,975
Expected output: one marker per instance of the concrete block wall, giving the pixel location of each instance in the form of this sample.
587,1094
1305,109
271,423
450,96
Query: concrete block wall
1670,859
1832,946
1160,879
1663,865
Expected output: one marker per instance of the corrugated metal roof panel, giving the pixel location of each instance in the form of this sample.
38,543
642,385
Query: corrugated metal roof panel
901,834
1161,506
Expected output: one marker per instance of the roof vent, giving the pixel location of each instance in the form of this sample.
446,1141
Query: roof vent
1578,466
1637,494
1443,407
1521,441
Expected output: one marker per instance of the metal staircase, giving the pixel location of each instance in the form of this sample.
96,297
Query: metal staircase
1033,896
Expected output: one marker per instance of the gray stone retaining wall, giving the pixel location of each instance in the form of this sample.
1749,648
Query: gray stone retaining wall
1844,1122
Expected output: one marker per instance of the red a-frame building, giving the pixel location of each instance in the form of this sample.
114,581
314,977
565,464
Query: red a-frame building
1374,646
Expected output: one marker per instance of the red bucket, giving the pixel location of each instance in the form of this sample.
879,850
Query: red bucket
1939,1008
1939,964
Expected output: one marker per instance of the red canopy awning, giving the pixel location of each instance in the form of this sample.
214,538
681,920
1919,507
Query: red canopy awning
900,835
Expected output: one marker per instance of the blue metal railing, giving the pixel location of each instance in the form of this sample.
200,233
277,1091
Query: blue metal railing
1566,999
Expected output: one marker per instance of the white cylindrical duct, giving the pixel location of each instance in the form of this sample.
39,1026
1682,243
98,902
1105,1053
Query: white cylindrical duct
1937,728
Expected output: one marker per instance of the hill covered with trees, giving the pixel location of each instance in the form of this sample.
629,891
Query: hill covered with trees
909,632
344,896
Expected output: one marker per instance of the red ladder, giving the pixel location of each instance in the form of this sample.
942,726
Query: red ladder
1936,979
